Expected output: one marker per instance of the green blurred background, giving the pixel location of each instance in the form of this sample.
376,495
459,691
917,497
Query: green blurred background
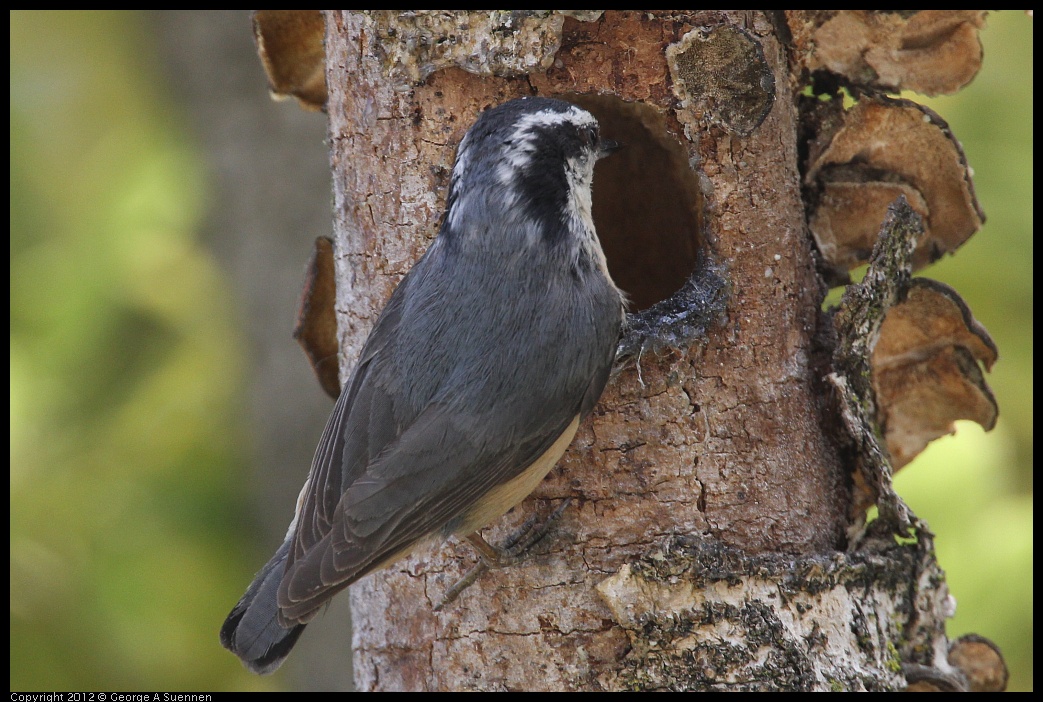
130,353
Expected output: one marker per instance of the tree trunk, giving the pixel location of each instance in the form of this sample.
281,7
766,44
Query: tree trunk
710,490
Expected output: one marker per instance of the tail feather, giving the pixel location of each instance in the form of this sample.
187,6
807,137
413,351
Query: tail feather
252,630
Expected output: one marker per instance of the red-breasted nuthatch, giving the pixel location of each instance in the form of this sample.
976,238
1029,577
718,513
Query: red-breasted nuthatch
472,382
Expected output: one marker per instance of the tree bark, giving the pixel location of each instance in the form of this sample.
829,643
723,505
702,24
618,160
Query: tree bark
703,548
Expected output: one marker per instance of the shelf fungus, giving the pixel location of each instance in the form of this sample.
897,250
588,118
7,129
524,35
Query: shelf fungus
861,159
973,664
316,328
933,52
925,369
981,662
290,44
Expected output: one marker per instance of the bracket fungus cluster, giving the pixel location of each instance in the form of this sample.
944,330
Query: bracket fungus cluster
909,353
932,52
925,369
860,158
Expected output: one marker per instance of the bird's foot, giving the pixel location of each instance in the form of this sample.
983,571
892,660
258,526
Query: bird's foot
513,550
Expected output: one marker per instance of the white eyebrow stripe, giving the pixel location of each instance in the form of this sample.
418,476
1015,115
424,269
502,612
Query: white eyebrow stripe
524,129
516,157
549,118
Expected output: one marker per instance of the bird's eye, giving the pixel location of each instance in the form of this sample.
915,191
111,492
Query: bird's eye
590,135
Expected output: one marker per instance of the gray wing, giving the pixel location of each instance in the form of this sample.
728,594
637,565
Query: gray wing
425,479
255,630
358,429
386,475
421,433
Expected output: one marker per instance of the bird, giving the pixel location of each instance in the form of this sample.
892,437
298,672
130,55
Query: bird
492,349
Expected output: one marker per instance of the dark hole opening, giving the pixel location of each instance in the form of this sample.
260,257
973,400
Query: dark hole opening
646,202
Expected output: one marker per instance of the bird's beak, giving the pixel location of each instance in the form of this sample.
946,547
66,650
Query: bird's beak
607,147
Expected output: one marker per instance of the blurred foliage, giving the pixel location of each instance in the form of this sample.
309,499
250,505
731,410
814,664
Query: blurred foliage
124,376
125,380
